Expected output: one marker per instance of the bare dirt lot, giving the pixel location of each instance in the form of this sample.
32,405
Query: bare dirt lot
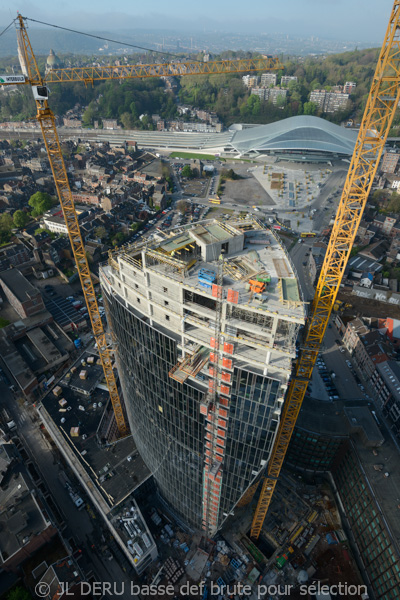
247,190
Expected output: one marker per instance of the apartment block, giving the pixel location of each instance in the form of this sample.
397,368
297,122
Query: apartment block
22,295
329,102
250,80
349,87
390,161
386,381
268,79
270,94
286,79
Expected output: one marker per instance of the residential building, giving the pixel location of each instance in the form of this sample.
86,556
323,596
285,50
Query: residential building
329,102
349,87
286,79
110,124
61,580
250,80
371,349
270,94
22,295
72,122
386,381
25,525
385,223
354,329
15,255
261,92
390,161
86,198
164,306
268,79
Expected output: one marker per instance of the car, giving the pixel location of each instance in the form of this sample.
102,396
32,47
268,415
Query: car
304,264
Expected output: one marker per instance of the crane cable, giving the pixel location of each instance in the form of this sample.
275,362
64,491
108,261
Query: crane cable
98,37
7,28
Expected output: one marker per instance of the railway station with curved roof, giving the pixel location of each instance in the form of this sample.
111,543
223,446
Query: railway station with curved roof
296,137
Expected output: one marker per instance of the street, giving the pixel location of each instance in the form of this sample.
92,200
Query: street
334,359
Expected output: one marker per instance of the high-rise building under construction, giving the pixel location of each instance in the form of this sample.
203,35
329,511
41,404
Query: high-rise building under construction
205,323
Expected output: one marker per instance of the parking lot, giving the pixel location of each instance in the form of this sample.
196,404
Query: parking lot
198,187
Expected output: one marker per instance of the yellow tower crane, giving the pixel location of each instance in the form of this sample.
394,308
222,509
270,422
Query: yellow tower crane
382,102
38,83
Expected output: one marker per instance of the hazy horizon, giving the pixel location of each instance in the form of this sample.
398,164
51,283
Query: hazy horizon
363,20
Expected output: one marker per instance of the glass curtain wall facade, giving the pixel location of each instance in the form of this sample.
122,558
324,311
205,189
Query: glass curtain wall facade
167,426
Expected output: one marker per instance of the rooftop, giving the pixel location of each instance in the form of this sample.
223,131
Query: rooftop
79,418
133,530
18,285
20,517
301,134
251,253
390,373
354,419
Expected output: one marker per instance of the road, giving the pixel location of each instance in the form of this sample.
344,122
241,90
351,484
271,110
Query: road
334,359
79,524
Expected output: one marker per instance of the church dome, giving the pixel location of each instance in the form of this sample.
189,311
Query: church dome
52,60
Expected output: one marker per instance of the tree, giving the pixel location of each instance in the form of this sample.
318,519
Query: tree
20,218
19,593
310,108
119,238
40,230
181,206
101,232
394,203
6,225
187,172
127,120
40,202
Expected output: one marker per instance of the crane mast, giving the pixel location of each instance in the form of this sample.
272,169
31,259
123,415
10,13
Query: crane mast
378,116
46,120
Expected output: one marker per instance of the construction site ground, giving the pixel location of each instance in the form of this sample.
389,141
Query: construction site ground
301,515
365,307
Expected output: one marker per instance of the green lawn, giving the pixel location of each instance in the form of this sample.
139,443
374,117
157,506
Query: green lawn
193,155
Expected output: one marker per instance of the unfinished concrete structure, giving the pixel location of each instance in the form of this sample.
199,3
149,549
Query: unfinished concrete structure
205,323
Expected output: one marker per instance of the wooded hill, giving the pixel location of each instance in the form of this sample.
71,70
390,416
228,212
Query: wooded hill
224,94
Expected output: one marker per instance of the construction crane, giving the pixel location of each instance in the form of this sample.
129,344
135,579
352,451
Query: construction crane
45,117
382,103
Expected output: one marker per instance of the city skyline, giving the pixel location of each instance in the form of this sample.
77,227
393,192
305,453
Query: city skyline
366,21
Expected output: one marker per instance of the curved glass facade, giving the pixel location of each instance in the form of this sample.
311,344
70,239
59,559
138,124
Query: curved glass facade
167,425
163,414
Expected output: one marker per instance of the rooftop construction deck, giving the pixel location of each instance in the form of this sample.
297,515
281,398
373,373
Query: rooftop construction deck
176,280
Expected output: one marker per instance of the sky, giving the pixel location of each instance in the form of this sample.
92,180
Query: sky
363,20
